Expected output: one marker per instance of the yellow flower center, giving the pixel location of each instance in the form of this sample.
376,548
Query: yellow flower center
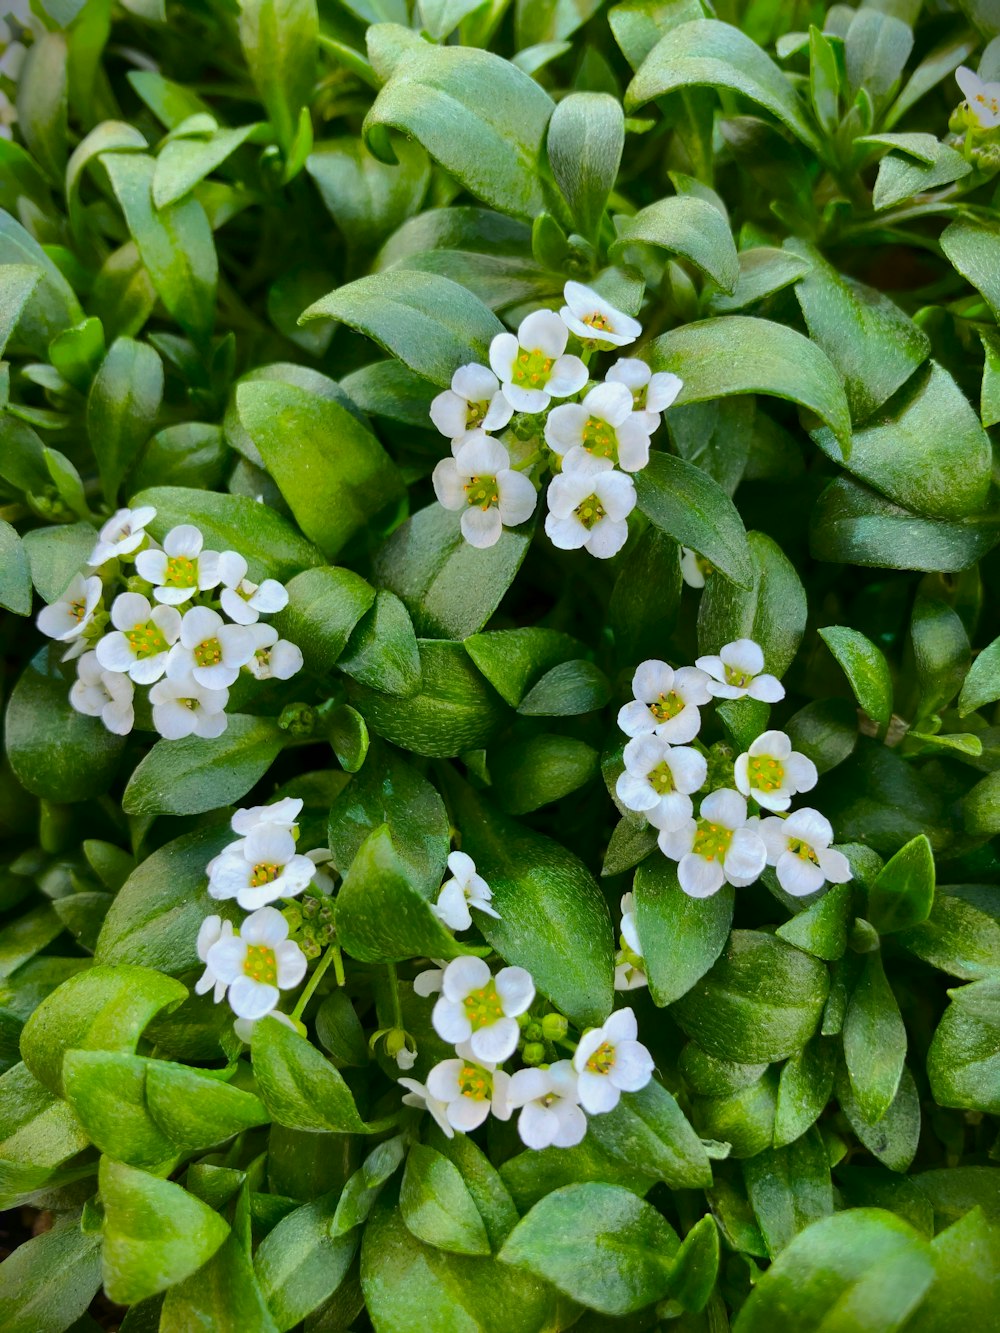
711,840
599,438
482,492
639,398
475,1083
260,964
990,102
802,850
603,1059
590,511
661,779
766,773
741,679
208,653
483,1007
263,656
264,873
181,572
667,706
596,320
531,369
78,610
475,415
146,640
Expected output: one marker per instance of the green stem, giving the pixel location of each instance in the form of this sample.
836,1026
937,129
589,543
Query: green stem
332,955
397,1011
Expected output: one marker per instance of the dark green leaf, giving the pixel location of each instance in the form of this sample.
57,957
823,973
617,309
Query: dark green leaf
585,141
300,1265
566,690
804,1089
903,893
324,606
47,1283
789,1188
772,612
681,936
874,1040
866,669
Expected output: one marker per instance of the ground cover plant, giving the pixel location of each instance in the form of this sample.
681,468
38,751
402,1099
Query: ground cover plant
501,765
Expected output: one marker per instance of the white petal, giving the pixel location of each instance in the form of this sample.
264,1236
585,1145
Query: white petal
450,1021
651,679
449,487
466,1114
689,768
481,455
567,376
449,413
671,811
442,1081
291,964
809,826
226,957
518,497
516,989
677,842
635,792
232,568
252,999
572,1125
617,493
633,1067
286,660
597,1093
503,355
633,445
607,538
451,906
663,389
543,331
527,1085
114,653
692,685
743,655
798,876
496,1043
725,807
564,427
800,772
766,688
475,383
481,528
151,565
568,534
635,718
537,1126
699,878
130,609
184,540
631,371
498,414
834,865
271,596
610,401
745,858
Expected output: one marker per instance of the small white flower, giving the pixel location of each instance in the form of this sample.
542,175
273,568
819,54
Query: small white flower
694,569
465,889
417,1095
273,658
405,1058
629,972
590,317
210,650
284,813
213,929
474,401
481,1009
589,503
261,868
480,482
666,702
103,694
772,772
242,600
185,708
123,533
799,849
604,425
182,568
659,779
716,848
651,394
69,615
141,640
609,1061
469,1088
533,366
243,1027
257,964
738,671
550,1106
983,99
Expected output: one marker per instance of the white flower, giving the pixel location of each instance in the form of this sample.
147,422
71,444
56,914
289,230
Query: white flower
737,672
666,702
261,868
141,640
983,98
659,779
68,616
651,394
532,365
103,694
257,964
185,708
603,424
273,658
550,1106
481,1009
322,880
474,401
284,813
210,651
213,929
405,1058
480,482
182,568
609,1061
123,533
243,1027
589,503
465,889
418,1095
694,569
589,316
469,1088
716,848
799,849
772,772
629,972
242,600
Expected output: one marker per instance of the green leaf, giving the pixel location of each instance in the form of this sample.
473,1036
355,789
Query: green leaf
121,409
333,472
738,354
597,1243
436,1204
894,1137
789,1188
553,917
15,573
369,199
222,1295
648,1132
982,684
974,249
585,142
876,48
822,928
874,1040
530,773
17,282
190,776
866,669
52,306
707,53
299,1086
48,1282
107,1091
155,1233
684,225
681,936
899,177
744,1119
299,1264
686,504
280,40
41,101
196,1110
696,1266
272,547
772,612
491,145
513,660
804,1089
860,1269
183,162
324,606
964,1055
941,653
28,935
483,1182
761,1001
825,731
567,690
962,934
762,272
903,893
382,650
966,1286
77,353
175,243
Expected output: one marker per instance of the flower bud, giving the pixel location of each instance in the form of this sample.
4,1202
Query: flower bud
395,1040
554,1027
533,1053
298,719
533,1032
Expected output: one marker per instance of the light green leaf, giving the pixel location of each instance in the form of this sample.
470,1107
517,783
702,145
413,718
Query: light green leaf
789,1188
15,572
17,282
48,1282
369,199
903,892
585,142
866,669
280,39
436,1204
121,409
974,249
299,1264
688,226
963,1062
183,162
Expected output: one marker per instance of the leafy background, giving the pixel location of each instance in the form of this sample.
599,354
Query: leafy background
774,190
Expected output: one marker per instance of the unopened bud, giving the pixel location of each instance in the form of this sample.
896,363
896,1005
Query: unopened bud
554,1027
533,1032
533,1053
298,719
395,1040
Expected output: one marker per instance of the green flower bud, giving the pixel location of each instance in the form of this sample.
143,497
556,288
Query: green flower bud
534,1053
293,915
534,1032
720,766
310,947
554,1027
310,907
298,719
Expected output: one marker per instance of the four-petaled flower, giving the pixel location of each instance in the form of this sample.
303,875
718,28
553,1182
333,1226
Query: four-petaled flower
418,1095
182,707
182,568
104,694
532,365
589,504
799,849
273,658
737,672
141,641
592,318
651,394
480,482
482,1009
209,650
473,402
716,848
122,535
772,772
983,99
213,929
469,1088
261,868
609,1061
69,615
550,1106
256,964
243,600
659,779
465,889
604,425
666,702
284,813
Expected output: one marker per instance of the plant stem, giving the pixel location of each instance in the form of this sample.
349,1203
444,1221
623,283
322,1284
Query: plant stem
397,1012
332,955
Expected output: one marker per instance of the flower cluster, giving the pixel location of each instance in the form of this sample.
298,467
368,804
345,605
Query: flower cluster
252,965
593,439
166,628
